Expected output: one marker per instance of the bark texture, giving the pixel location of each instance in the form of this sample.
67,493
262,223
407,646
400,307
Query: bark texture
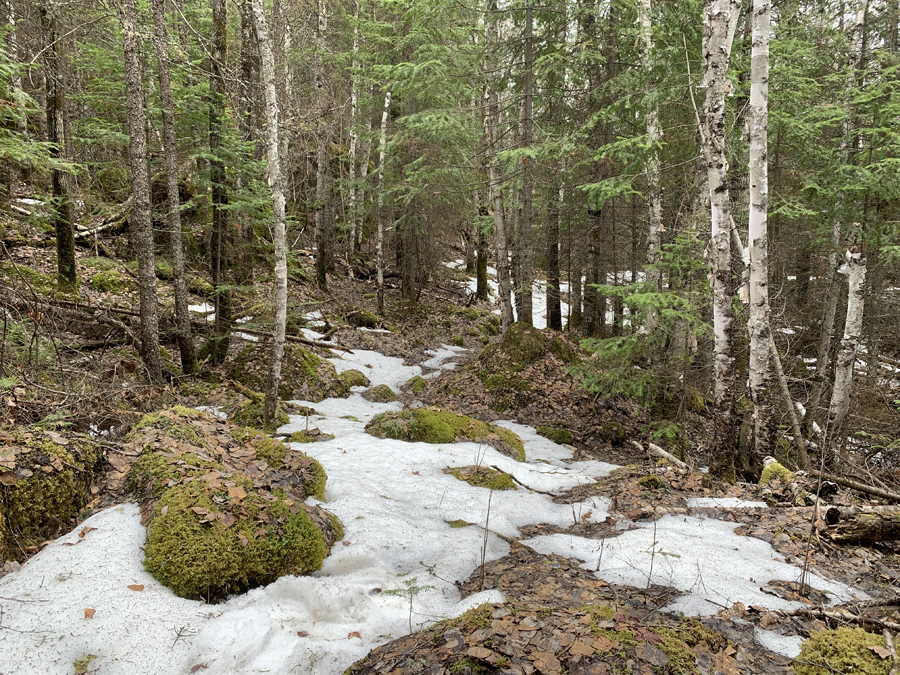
379,243
141,226
276,185
170,150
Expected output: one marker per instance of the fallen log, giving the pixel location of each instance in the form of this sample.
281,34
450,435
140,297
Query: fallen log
866,528
856,485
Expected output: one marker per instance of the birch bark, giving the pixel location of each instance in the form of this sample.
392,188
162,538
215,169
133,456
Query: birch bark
379,242
758,323
276,184
719,30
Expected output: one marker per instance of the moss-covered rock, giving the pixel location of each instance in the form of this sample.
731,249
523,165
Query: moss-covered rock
483,476
354,378
251,413
303,374
380,394
311,436
227,505
432,425
555,434
845,650
417,385
45,481
363,319
199,286
775,470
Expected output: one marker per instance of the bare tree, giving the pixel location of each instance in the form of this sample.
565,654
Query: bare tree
276,184
170,150
141,226
324,224
758,324
379,242
56,107
525,277
719,27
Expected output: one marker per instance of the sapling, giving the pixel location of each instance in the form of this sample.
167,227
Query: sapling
410,590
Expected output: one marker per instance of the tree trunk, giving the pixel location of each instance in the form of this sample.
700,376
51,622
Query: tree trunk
525,279
654,191
56,105
855,269
170,150
324,223
276,184
220,259
15,80
833,279
379,243
758,323
354,110
866,528
141,226
250,134
555,207
719,32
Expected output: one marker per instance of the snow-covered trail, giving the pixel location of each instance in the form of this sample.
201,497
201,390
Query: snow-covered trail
406,542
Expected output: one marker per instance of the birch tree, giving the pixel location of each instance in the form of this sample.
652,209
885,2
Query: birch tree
141,226
379,242
758,323
721,22
276,184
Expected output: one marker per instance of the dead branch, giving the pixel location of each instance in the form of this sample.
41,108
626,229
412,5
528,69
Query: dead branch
856,485
527,487
663,454
836,614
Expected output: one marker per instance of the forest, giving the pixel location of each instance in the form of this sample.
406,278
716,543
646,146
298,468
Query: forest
655,235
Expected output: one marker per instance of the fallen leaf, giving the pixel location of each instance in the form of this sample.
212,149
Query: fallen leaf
546,662
199,667
84,531
354,634
236,493
415,473
302,633
650,654
136,587
199,510
8,478
581,648
602,644
89,613
881,651
482,653
345,543
243,540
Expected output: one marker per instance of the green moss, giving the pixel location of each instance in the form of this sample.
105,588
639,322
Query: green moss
363,319
482,476
173,423
199,286
303,374
163,269
557,435
458,341
354,378
498,381
208,560
82,664
458,523
269,449
382,394
301,437
612,432
98,263
417,385
652,482
845,650
49,486
353,418
430,425
775,470
110,281
467,665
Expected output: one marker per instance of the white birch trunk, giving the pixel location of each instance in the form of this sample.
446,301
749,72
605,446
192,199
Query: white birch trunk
719,28
758,323
354,105
276,185
855,269
15,79
654,192
492,123
379,242
833,288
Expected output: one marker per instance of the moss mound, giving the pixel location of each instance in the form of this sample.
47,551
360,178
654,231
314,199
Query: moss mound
227,505
251,413
845,650
483,476
557,435
303,374
363,319
417,385
45,481
775,470
432,425
354,378
380,394
111,281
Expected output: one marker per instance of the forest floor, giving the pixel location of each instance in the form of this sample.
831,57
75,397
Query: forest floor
585,568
